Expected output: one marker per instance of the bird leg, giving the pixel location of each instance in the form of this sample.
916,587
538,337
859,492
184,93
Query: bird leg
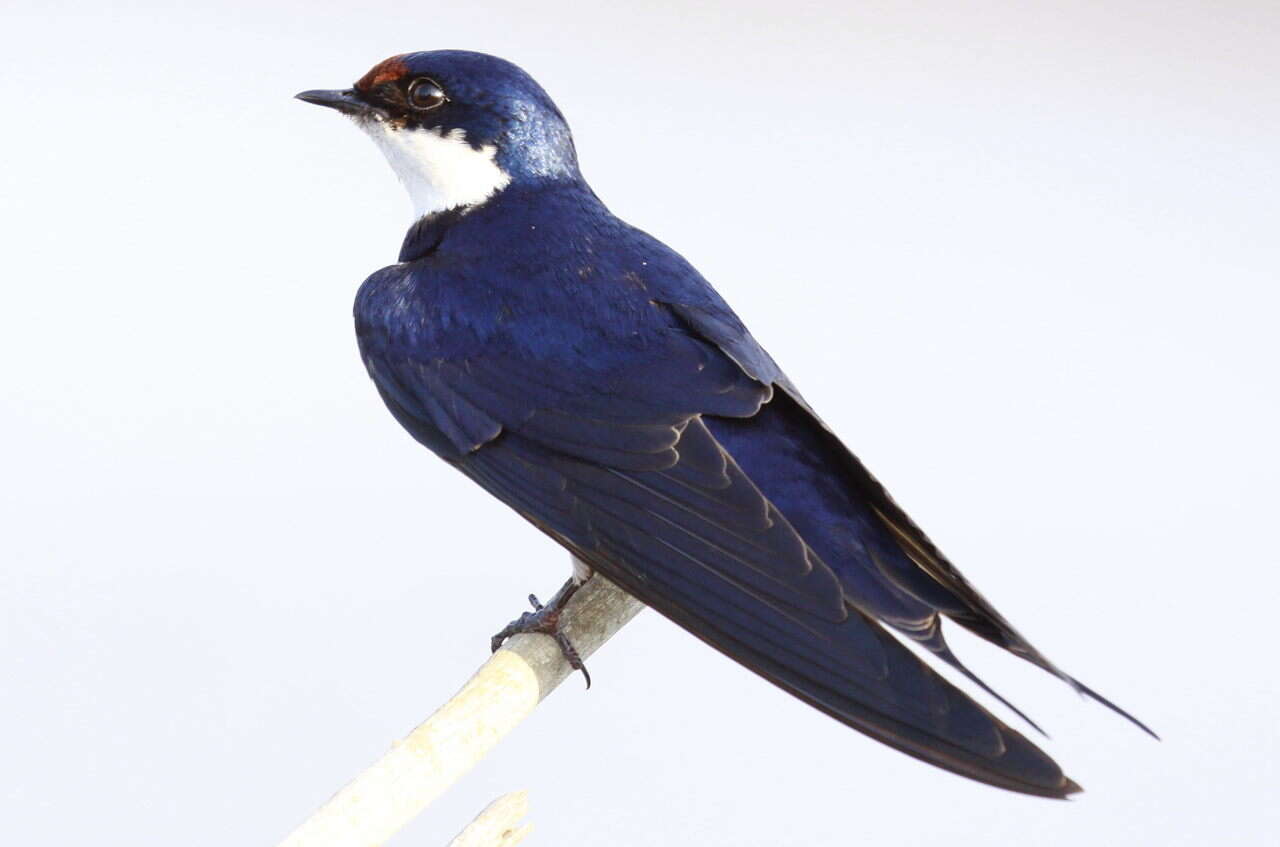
546,620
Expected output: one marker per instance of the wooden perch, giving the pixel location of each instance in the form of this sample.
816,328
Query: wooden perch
499,824
506,689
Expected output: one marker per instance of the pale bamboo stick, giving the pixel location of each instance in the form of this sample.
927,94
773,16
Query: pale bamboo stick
499,824
420,767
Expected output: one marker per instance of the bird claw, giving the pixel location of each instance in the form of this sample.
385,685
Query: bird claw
546,620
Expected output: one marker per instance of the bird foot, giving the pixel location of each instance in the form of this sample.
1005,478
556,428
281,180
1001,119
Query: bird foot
546,620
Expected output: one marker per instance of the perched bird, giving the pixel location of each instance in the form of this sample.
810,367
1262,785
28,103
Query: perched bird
586,375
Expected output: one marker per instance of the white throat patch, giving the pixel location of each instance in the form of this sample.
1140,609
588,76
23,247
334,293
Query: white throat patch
439,170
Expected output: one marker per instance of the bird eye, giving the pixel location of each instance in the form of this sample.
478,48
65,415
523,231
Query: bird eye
425,94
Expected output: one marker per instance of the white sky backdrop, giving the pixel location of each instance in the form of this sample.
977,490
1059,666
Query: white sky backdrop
1023,256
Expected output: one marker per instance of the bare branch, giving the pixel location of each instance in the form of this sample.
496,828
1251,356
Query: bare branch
499,824
506,689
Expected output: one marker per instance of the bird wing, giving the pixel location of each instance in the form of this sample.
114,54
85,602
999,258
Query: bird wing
907,563
620,467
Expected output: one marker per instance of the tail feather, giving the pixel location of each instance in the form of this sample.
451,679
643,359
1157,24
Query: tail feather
1001,634
931,638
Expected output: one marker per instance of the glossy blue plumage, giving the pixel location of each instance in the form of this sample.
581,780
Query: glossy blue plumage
588,376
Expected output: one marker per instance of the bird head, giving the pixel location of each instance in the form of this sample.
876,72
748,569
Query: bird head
457,127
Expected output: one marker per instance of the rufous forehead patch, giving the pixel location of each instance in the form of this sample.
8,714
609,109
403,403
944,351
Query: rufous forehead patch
388,70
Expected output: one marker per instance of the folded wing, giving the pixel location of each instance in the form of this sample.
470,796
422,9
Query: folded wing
628,475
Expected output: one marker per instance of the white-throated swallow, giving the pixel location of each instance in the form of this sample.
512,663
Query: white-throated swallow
586,375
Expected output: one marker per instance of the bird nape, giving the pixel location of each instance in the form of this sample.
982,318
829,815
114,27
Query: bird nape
586,375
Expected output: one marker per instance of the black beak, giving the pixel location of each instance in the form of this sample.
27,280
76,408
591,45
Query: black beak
347,102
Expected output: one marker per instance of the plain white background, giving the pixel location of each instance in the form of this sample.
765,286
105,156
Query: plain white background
1022,256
